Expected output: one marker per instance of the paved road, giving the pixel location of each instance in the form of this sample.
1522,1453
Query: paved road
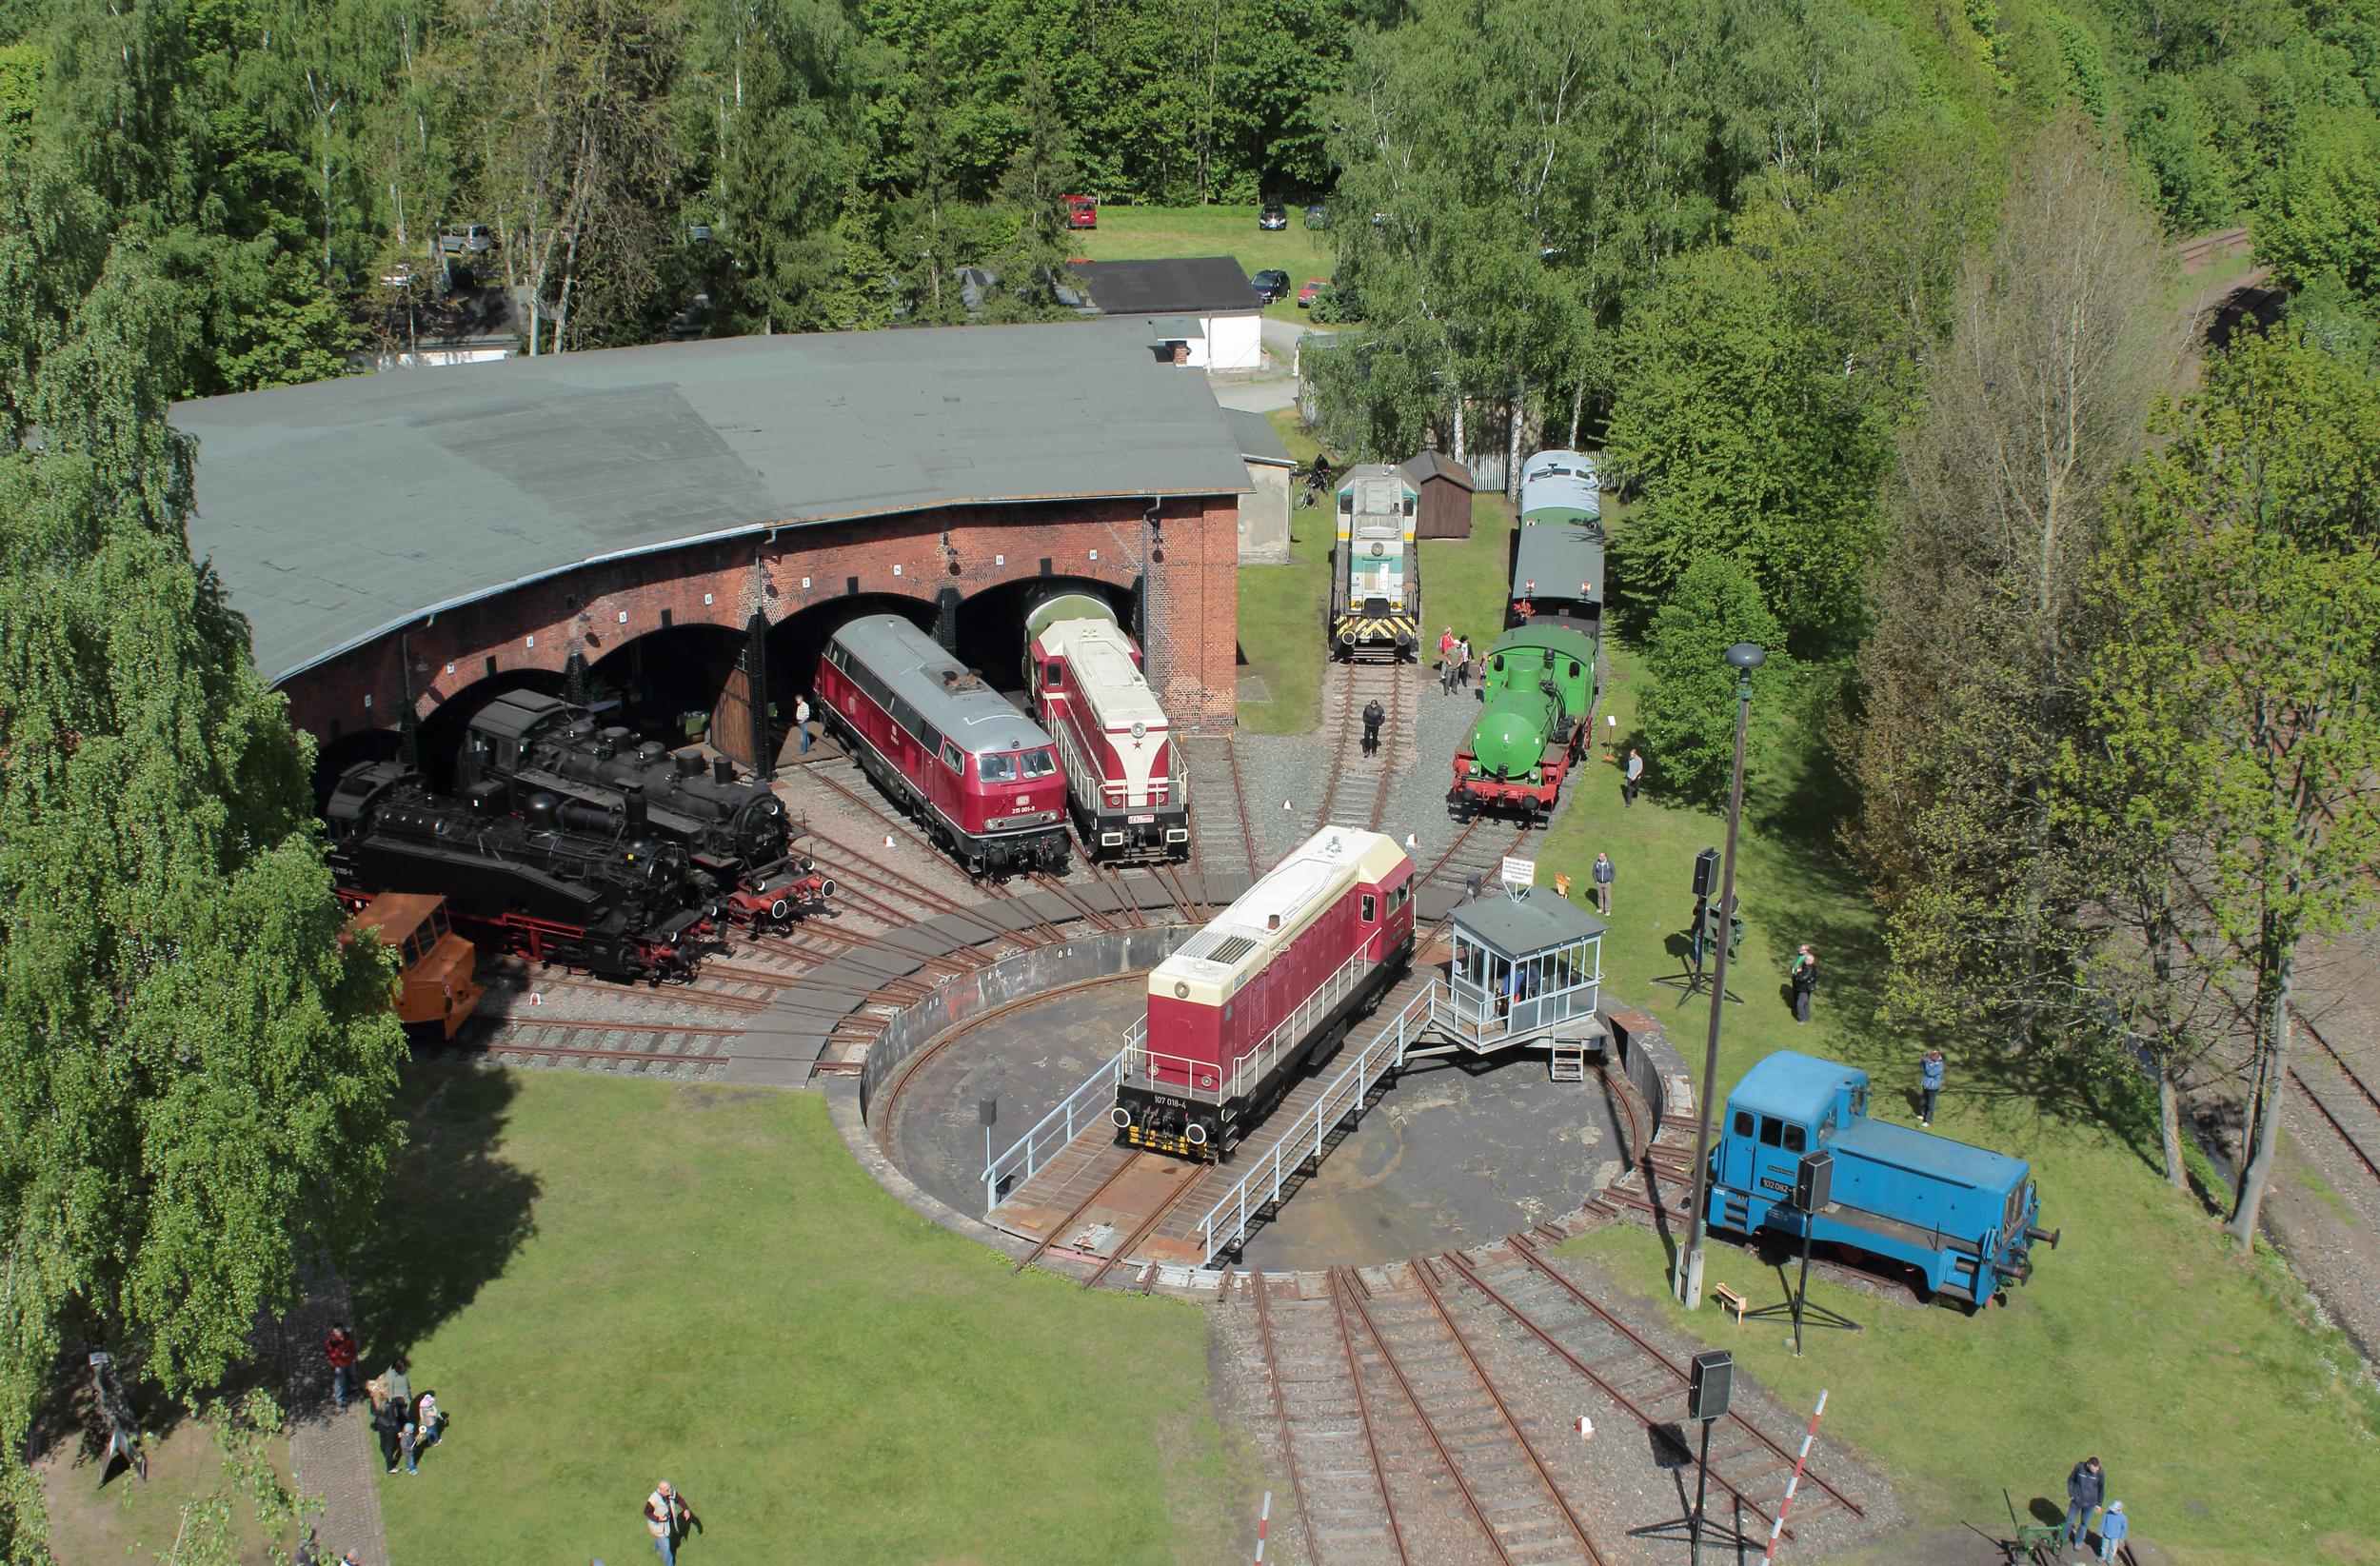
1263,395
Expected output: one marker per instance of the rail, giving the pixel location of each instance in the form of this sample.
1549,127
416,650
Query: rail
1226,1222
1091,1101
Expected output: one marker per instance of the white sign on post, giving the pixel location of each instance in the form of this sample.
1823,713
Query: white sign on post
1520,872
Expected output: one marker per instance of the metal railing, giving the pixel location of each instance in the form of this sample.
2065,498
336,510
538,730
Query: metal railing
1197,1076
1090,1101
1227,1221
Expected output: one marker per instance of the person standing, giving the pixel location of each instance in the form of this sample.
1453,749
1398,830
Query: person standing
1463,662
2085,1487
1635,779
389,1421
1930,1082
1605,873
801,721
2113,1527
667,1518
409,1443
1374,715
398,1387
1446,662
339,1348
1805,981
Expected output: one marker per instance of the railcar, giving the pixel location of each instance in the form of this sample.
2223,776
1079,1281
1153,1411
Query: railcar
437,987
526,884
980,775
1558,554
1113,738
735,831
1538,691
1965,1218
1268,987
1376,567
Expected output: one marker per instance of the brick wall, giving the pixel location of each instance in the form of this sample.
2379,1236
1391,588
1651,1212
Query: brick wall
597,610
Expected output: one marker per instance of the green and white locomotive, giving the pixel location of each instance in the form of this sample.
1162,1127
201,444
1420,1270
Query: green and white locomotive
1376,567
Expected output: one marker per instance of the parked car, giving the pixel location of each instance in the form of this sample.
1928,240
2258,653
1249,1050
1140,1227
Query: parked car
1271,216
1271,284
468,239
1318,216
1082,212
1313,289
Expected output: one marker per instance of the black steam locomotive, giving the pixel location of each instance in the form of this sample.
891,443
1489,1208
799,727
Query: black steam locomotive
735,832
625,909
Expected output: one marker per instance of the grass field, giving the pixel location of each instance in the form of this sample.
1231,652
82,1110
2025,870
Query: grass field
611,1283
1145,234
2228,1421
130,1521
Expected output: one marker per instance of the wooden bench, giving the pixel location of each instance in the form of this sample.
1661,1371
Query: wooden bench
1730,1300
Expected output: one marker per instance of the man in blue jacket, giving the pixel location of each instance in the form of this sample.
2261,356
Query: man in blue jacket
2085,1487
1930,1080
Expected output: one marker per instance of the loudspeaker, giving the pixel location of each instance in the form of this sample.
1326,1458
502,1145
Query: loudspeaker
1706,872
987,1109
1707,1385
1814,1181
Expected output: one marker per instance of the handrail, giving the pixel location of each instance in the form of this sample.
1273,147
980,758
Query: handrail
1251,1067
1227,1221
1095,1097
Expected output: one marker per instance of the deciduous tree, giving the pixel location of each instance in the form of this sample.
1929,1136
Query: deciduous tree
1690,697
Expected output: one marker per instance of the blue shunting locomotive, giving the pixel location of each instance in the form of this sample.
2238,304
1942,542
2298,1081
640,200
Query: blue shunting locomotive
1964,1216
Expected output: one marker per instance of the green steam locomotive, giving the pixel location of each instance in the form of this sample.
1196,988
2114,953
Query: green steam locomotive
1539,696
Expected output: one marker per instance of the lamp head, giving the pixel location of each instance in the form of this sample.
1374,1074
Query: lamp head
1746,656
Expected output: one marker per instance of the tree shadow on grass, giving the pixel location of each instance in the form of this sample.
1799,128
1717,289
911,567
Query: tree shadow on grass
455,1214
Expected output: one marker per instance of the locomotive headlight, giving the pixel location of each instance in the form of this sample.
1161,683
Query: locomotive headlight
1139,731
1181,991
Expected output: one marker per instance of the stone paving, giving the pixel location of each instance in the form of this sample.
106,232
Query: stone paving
332,1455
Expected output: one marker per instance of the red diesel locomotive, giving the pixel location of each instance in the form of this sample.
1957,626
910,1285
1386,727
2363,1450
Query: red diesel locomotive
1113,740
980,775
1270,986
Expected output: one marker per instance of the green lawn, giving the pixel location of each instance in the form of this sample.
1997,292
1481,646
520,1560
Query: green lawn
611,1283
1465,583
1281,606
2228,1423
1144,233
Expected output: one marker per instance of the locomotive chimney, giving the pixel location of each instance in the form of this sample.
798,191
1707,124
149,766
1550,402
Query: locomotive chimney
1272,922
723,770
632,803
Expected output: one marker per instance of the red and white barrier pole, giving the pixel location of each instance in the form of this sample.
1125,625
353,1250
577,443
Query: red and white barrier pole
1801,1461
1262,1518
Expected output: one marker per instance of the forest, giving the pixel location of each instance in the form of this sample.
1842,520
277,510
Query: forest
1871,305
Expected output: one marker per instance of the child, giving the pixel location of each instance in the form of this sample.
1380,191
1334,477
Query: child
2113,1528
430,1418
408,1441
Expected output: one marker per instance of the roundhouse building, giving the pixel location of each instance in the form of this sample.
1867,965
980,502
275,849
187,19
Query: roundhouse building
679,528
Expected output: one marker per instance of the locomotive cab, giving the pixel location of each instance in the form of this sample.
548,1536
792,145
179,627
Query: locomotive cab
1964,1216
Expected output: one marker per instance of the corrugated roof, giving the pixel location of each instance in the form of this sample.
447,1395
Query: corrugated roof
1200,285
1259,441
339,510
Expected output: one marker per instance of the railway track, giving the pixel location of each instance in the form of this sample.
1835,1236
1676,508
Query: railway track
1479,850
1424,1411
1355,792
1223,838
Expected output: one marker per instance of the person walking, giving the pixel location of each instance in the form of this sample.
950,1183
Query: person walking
2085,1487
1804,975
339,1348
430,1418
1605,873
1930,1082
667,1518
389,1421
1635,779
2114,1525
1374,715
801,721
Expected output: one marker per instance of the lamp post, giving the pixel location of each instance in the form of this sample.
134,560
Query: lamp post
1743,658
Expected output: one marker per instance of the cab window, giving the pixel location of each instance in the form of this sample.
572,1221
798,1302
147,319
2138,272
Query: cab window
1772,1132
1055,676
1039,764
1794,1139
1743,1122
954,757
996,768
1371,907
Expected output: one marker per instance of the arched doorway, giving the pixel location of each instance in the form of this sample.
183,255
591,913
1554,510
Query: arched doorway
438,738
675,684
991,625
332,756
796,642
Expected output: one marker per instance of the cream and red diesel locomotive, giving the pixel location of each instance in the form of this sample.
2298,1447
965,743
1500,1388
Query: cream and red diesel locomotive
1268,987
981,776
1129,802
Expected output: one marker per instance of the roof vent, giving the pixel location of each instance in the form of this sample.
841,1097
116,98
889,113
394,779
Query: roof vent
1272,922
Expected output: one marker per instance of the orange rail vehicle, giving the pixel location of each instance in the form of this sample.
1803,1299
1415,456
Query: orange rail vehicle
436,988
